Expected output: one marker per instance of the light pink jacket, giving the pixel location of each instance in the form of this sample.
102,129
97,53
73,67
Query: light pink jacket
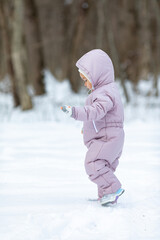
103,108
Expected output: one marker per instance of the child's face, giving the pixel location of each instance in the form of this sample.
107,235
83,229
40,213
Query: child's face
87,83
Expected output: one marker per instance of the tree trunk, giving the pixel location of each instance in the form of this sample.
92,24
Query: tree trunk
114,53
7,48
76,41
156,7
18,55
143,39
101,24
33,40
3,68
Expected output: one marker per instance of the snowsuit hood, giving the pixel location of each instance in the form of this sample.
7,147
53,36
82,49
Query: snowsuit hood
98,67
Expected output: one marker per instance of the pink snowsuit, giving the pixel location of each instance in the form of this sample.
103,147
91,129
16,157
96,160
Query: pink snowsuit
102,118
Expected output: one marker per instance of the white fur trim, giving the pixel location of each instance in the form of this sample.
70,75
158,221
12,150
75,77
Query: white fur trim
84,74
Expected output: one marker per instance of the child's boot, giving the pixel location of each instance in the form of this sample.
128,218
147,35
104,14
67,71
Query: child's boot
111,198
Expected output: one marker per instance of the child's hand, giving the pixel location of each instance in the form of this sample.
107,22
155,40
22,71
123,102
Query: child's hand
67,109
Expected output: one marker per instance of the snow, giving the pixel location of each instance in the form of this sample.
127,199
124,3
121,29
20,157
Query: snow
44,189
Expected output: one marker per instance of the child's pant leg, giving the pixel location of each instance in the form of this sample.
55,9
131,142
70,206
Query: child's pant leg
103,176
100,164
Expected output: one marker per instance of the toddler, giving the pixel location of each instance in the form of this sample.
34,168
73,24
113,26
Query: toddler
102,118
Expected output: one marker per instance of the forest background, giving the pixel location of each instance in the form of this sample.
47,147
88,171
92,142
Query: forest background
36,35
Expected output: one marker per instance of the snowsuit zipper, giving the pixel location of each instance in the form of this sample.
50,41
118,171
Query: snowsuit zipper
95,126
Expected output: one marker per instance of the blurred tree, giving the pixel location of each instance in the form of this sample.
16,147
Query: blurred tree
114,49
144,38
19,55
33,43
7,50
77,39
2,62
155,35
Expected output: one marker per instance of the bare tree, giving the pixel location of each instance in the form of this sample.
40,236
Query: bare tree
82,8
7,49
143,38
156,59
33,43
19,55
114,51
101,24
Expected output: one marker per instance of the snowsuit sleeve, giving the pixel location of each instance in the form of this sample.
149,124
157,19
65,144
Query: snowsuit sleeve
96,111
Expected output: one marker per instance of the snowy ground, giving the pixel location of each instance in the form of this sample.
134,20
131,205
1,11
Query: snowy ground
44,189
